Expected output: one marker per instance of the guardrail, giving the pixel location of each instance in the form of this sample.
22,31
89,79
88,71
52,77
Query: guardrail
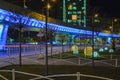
13,71
3,77
78,75
36,48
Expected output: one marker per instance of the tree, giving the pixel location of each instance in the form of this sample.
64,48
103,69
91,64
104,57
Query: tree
62,39
51,37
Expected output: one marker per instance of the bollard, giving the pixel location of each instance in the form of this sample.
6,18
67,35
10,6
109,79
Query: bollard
116,63
79,61
111,56
78,75
13,74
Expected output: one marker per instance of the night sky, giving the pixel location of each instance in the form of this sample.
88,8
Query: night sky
106,8
109,8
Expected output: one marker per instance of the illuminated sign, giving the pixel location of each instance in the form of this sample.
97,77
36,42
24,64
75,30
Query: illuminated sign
96,54
101,50
88,51
74,17
111,51
75,49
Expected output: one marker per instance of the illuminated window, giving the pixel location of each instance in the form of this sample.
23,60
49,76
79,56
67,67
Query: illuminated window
74,8
79,16
79,12
82,20
74,3
74,21
74,12
69,12
74,17
83,8
70,6
78,20
69,21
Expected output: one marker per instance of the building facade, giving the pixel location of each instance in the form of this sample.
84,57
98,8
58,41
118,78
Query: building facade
74,12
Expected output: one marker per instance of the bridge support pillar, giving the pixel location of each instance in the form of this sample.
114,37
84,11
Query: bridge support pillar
3,35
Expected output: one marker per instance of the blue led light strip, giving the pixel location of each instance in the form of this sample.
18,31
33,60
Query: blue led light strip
31,22
3,35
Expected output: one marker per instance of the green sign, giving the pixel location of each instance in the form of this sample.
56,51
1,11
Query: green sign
111,51
75,49
75,52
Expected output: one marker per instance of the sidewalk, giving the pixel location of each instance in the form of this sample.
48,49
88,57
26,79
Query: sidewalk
39,59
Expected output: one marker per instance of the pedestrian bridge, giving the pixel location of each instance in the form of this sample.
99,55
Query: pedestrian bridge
11,14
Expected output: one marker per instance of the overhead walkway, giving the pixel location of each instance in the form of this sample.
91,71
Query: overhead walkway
11,17
13,14
17,15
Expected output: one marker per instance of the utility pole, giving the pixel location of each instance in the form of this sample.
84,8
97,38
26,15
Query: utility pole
24,4
93,64
46,36
20,53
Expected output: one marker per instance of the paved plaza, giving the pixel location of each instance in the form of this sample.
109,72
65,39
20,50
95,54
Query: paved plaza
36,56
39,59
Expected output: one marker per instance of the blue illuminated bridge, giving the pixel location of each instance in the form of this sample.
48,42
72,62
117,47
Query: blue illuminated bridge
15,15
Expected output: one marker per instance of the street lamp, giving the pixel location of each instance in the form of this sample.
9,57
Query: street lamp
114,20
46,36
112,31
47,7
112,40
96,15
93,30
24,4
20,37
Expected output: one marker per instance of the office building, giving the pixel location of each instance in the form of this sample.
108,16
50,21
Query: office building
74,12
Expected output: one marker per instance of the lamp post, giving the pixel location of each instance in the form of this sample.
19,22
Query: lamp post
93,46
93,30
112,27
112,31
24,4
47,7
20,45
46,36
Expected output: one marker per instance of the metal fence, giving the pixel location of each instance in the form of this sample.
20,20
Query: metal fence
13,72
31,54
78,75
